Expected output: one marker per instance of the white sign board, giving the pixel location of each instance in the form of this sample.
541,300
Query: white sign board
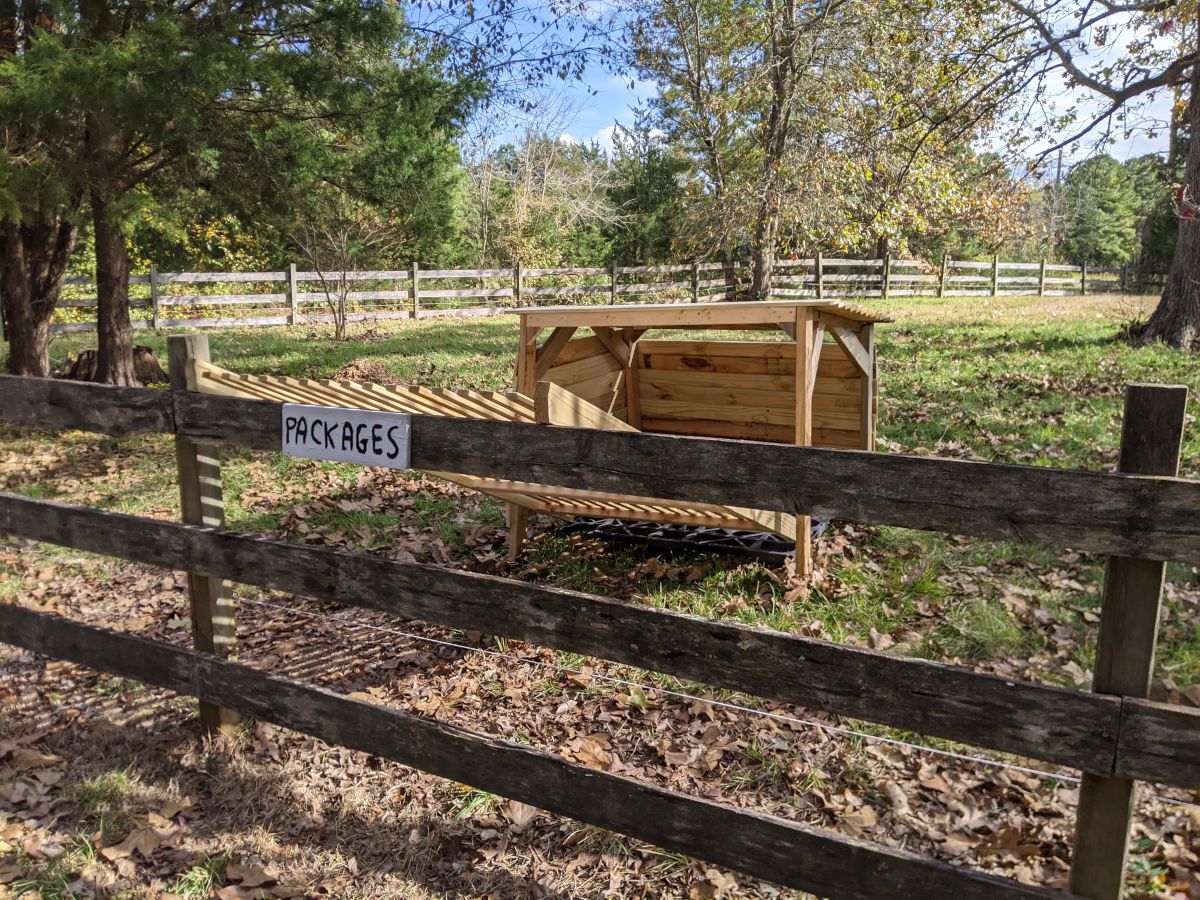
364,436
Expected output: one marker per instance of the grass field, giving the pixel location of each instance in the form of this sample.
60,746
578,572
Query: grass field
1013,379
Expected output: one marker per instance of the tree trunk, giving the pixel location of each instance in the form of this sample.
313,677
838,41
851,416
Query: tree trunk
114,330
33,264
1176,320
763,252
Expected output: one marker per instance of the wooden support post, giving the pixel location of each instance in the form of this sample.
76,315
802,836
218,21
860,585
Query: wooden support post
518,284
1124,276
1042,279
517,516
612,284
941,289
293,292
995,274
1151,436
867,394
214,628
803,407
155,318
886,287
695,281
820,265
414,289
1083,279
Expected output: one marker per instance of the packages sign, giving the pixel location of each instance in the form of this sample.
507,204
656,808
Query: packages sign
364,436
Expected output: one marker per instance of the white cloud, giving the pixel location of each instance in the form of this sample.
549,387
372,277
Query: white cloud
566,138
604,137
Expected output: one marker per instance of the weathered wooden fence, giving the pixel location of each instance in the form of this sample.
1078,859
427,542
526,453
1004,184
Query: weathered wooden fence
292,296
1141,517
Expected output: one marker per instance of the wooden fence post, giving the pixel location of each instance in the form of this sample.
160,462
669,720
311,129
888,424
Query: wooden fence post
155,319
820,275
293,292
995,274
1083,279
1151,435
154,316
518,284
214,628
941,288
1124,276
612,286
414,289
695,281
886,287
1042,279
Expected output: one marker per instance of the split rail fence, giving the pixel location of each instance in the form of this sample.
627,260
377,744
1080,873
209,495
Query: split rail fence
1140,517
292,296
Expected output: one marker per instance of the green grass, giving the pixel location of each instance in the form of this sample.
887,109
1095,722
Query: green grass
102,804
202,879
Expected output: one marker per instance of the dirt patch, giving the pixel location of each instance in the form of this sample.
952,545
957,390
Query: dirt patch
366,370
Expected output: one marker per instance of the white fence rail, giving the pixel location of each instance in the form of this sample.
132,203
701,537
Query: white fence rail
296,297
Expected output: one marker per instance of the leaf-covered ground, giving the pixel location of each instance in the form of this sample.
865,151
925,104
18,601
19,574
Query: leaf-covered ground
107,790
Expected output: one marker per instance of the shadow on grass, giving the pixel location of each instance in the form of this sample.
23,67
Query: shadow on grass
156,745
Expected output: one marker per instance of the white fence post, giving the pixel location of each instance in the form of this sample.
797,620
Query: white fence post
414,290
293,292
155,321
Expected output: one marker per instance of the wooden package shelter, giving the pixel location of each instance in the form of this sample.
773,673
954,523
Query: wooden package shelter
811,382
615,379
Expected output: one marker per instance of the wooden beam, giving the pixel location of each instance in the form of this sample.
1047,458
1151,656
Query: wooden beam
805,376
214,625
764,846
867,392
614,343
1159,743
516,515
1066,727
814,362
547,353
765,314
74,405
1151,438
1141,516
554,405
849,341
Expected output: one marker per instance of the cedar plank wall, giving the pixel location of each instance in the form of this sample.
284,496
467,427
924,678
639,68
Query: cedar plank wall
588,370
744,389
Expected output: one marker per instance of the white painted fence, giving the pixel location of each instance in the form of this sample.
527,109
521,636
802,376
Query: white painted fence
294,297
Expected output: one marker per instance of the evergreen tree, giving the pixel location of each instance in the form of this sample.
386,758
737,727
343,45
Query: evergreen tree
1101,213
647,189
115,104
